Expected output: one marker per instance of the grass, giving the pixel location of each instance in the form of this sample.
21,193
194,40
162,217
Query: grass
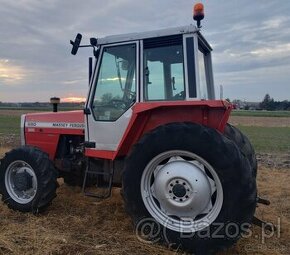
9,124
42,109
26,108
268,139
261,113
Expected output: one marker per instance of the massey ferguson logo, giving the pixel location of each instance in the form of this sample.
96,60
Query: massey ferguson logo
31,124
63,125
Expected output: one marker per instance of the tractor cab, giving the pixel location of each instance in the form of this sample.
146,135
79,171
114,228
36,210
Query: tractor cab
169,65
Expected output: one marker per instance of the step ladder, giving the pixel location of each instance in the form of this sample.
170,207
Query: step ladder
98,174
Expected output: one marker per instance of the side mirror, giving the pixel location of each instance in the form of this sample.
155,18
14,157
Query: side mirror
94,42
76,44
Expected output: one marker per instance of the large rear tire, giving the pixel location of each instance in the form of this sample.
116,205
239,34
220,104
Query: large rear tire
243,144
191,185
28,180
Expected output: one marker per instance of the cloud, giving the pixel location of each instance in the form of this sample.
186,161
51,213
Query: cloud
248,38
10,73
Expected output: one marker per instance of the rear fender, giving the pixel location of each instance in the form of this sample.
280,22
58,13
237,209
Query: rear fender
148,116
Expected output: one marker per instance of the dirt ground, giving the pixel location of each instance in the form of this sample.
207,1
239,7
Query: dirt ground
9,141
75,224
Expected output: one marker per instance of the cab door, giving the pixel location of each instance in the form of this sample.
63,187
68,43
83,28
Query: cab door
112,95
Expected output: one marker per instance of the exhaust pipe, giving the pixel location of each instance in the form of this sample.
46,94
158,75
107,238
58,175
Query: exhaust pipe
55,101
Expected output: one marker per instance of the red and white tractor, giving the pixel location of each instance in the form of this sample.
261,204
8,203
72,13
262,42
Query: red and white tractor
152,126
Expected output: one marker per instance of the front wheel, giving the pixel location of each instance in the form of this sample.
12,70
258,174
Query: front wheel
28,180
195,185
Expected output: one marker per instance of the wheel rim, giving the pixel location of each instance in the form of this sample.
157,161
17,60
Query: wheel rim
181,191
21,195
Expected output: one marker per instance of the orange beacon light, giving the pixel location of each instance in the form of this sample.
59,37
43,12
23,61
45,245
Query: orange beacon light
198,13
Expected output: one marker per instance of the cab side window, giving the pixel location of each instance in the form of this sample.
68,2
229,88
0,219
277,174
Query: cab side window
163,71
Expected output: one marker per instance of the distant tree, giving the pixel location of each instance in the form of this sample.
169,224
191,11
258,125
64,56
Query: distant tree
267,103
284,105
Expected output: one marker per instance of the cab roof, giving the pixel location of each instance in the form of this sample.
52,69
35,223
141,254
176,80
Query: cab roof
150,34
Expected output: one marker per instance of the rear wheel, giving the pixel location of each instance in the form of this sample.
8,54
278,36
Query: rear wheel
243,144
193,183
28,180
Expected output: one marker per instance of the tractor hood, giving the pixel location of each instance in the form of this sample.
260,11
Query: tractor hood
43,130
58,120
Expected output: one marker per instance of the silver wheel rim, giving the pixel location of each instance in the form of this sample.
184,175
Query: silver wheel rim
20,196
181,191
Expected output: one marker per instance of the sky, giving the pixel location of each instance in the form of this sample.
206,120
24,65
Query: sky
250,40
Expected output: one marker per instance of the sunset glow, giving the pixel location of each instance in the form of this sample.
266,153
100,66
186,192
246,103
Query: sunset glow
73,99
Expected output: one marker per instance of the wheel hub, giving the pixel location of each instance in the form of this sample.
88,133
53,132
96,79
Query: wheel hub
23,181
182,189
178,190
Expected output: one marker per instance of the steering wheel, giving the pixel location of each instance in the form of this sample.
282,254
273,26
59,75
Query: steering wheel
117,103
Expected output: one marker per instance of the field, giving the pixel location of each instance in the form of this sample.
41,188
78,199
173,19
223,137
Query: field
75,224
261,113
